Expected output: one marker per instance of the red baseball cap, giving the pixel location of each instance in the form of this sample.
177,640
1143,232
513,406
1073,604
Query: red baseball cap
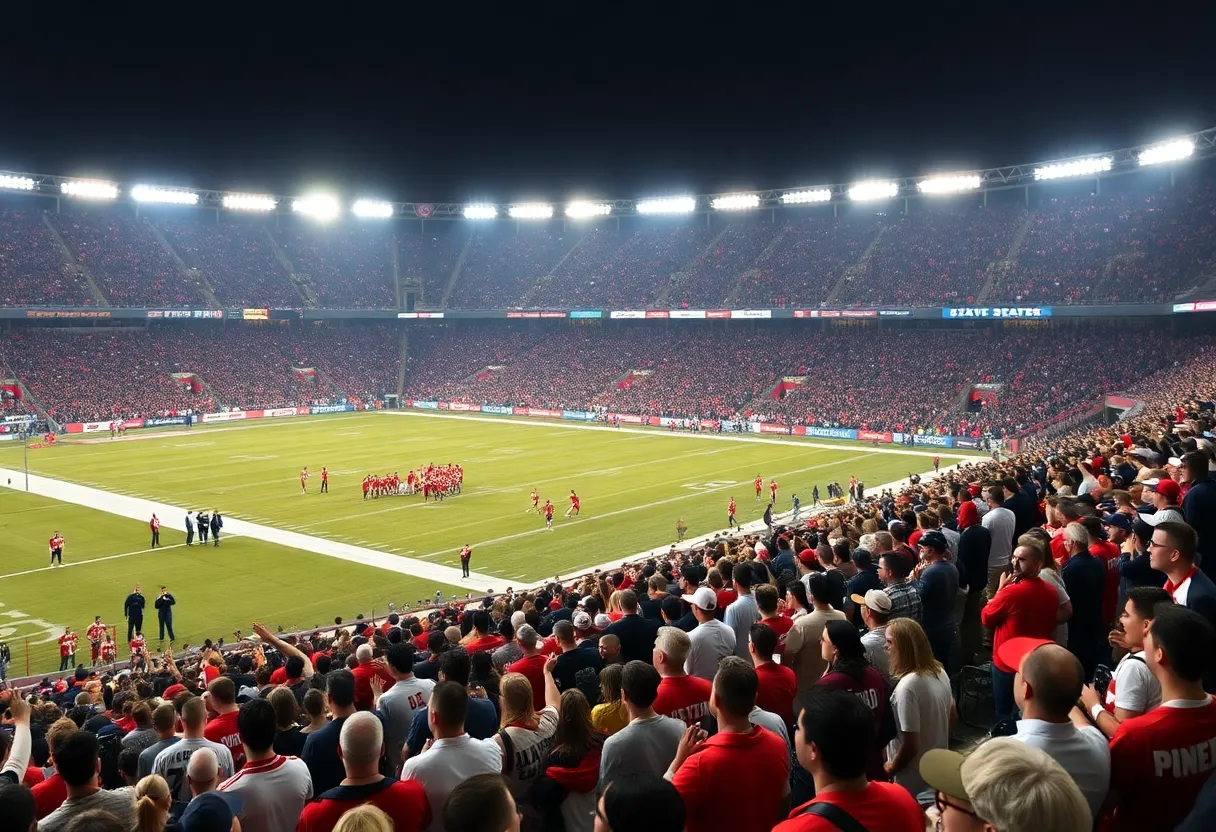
807,556
1013,650
172,691
1166,488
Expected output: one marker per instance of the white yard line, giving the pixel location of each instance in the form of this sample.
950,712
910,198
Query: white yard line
72,563
137,508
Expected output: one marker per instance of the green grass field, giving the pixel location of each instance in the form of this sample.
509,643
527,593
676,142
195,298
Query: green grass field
633,485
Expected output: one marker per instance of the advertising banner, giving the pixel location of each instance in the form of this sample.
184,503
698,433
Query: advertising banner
831,433
627,314
688,314
284,411
753,314
331,408
930,440
656,313
806,313
426,405
709,424
412,316
497,409
766,427
859,313
586,313
579,415
875,436
964,442
717,313
895,313
464,407
997,312
255,314
626,418
227,416
538,412
161,421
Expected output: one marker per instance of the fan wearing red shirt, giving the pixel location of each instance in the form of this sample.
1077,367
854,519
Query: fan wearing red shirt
778,684
532,665
766,603
1160,760
724,590
364,672
680,696
222,728
837,731
741,759
1024,605
479,639
405,802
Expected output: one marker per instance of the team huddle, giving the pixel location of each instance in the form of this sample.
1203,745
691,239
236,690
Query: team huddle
437,481
548,508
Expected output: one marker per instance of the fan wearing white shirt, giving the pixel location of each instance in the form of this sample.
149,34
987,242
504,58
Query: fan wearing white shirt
273,788
711,640
398,704
452,757
1133,689
1046,687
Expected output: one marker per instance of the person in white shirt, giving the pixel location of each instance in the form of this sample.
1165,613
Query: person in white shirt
875,608
273,788
452,756
923,703
1133,689
743,612
1000,523
1046,687
172,762
398,704
712,641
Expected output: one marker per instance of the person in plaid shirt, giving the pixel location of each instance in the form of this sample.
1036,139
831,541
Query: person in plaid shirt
67,649
95,634
905,599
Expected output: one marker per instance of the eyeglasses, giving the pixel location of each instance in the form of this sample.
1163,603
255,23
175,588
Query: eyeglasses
940,801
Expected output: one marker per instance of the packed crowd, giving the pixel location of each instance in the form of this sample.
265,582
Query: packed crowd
349,268
504,265
427,256
32,270
711,278
1062,600
235,259
362,362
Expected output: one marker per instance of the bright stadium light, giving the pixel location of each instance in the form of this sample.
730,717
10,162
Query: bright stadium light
317,206
735,202
580,209
1172,151
668,205
90,189
873,189
16,183
808,196
372,209
951,184
171,196
1077,167
480,211
530,211
249,202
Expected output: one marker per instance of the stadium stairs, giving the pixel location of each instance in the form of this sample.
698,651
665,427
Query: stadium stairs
405,354
537,290
454,277
1205,287
301,282
685,273
741,280
192,276
857,271
70,259
1001,269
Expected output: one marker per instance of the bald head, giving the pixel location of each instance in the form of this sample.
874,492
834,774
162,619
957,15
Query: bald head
1054,677
361,739
203,771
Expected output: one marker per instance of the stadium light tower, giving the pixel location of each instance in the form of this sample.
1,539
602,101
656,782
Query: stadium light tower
16,183
1077,167
323,207
372,209
530,211
807,197
581,209
667,205
949,184
735,202
1171,151
168,196
480,211
89,189
872,189
249,202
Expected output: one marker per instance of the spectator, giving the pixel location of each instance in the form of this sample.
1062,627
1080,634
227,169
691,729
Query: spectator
164,720
1172,552
850,671
288,739
482,803
679,695
362,739
77,762
923,704
273,788
803,652
742,613
365,818
574,656
974,548
778,686
711,640
648,744
481,721
610,715
875,613
1085,580
1000,523
222,728
635,631
641,802
526,735
172,763
152,804
937,582
398,704
321,749
212,812
567,791
1199,508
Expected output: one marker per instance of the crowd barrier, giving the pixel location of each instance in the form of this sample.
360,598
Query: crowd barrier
207,418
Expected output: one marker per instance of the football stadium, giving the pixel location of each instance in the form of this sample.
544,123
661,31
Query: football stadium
869,504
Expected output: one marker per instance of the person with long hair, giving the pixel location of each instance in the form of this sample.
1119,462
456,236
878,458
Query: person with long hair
796,602
850,670
923,703
365,818
152,804
526,737
610,715
314,709
567,791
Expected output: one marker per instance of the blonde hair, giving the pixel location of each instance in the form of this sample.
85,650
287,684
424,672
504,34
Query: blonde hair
1013,785
365,818
515,698
910,650
614,601
152,802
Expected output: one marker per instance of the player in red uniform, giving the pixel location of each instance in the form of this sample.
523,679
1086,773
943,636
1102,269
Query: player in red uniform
465,555
95,634
574,504
304,480
759,486
367,485
139,649
108,650
535,501
730,514
772,491
56,544
324,480
548,512
67,649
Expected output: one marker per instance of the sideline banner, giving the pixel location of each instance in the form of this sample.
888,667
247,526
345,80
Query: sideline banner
579,415
231,416
627,418
931,440
831,433
875,436
425,405
498,410
464,407
160,421
538,412
331,408
964,442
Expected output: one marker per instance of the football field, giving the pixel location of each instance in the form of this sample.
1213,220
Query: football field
297,560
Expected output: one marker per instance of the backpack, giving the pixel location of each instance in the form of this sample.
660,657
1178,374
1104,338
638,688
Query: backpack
836,816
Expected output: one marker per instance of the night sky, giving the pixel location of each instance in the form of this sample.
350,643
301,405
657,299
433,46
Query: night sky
598,100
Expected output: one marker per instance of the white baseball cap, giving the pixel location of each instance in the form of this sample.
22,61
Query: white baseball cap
704,597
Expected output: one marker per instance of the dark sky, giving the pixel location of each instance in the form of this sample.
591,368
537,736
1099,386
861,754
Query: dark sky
595,99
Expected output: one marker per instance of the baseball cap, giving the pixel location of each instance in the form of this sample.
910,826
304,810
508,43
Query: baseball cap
934,540
807,556
172,691
1013,650
1119,521
581,621
703,598
943,770
875,599
212,812
1166,488
602,621
1174,461
583,601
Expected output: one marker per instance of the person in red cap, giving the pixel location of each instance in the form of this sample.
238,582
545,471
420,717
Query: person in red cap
1024,605
1163,495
